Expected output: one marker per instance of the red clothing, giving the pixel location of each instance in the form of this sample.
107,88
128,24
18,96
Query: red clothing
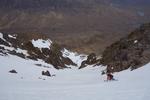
109,76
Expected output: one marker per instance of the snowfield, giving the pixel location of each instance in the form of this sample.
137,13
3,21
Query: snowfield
69,84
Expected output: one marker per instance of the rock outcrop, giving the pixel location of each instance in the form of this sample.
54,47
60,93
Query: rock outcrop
91,60
13,71
34,46
131,52
46,73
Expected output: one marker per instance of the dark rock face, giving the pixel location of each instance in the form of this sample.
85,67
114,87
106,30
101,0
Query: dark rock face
91,59
46,73
52,55
13,71
56,59
69,62
3,42
132,51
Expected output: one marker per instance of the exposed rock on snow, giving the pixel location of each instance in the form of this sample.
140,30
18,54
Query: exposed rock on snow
75,57
25,46
13,71
46,73
91,60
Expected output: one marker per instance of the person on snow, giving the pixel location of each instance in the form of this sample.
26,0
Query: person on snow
110,77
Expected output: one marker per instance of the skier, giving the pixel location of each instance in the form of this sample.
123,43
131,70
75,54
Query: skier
110,77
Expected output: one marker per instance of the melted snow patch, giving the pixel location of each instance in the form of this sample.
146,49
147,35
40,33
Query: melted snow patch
12,36
25,52
135,41
1,36
40,43
75,57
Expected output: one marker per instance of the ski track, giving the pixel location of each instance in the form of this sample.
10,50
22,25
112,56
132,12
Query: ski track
69,84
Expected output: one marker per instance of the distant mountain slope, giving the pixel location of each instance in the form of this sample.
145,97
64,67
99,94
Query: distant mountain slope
130,2
75,22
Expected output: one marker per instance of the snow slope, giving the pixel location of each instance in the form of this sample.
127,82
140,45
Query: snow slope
69,84
75,57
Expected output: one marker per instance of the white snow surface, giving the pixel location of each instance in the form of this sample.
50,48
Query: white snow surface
69,84
75,57
40,43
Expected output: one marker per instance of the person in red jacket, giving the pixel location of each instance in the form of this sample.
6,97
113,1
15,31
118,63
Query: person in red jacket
110,77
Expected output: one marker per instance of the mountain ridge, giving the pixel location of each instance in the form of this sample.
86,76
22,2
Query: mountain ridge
67,20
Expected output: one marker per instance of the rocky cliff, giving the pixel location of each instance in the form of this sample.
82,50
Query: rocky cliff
36,47
131,52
